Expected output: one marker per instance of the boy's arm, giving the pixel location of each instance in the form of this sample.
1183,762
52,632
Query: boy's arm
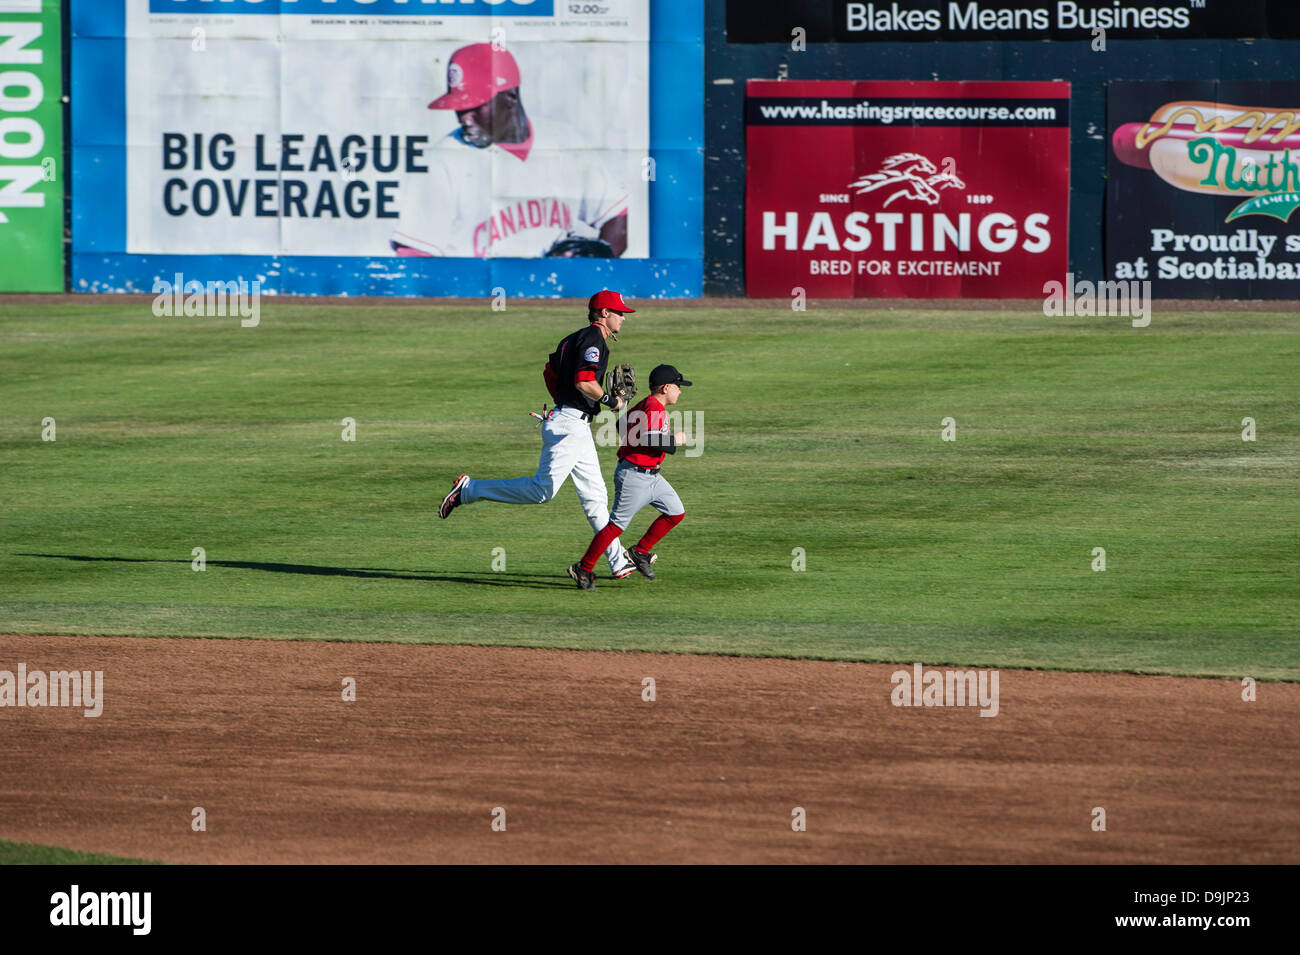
658,437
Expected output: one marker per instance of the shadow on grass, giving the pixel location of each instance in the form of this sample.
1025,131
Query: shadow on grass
546,581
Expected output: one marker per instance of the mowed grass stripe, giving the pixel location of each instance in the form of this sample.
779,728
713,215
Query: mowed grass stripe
820,432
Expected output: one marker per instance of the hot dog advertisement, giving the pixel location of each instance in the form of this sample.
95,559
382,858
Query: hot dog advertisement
906,189
1204,184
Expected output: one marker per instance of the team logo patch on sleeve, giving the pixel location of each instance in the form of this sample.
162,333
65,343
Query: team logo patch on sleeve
591,354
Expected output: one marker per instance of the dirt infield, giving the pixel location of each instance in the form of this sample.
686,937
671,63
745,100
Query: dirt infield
257,733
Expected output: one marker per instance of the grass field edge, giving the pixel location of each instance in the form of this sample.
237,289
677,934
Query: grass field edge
14,852
739,655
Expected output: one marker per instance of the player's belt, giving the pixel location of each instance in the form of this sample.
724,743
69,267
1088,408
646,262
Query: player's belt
584,415
637,467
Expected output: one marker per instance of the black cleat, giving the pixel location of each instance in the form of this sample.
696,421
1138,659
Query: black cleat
452,500
585,579
642,562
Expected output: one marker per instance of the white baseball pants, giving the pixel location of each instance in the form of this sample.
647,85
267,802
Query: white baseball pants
567,449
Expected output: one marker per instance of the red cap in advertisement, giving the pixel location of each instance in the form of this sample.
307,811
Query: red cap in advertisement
475,74
610,300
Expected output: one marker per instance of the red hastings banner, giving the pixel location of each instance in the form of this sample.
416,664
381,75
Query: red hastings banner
906,190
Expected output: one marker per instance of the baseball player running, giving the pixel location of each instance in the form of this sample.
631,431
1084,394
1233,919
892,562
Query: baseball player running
637,481
498,186
573,375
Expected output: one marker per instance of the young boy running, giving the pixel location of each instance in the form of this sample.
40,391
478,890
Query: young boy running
637,481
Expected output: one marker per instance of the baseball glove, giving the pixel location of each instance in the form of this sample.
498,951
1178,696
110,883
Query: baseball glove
621,381
576,247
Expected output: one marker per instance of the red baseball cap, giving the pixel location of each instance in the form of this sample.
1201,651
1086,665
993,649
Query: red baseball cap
475,74
610,300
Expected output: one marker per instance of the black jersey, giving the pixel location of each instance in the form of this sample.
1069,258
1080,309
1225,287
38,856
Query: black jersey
580,357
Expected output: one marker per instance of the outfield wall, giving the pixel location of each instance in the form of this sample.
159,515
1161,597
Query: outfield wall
312,146
213,148
1222,42
32,171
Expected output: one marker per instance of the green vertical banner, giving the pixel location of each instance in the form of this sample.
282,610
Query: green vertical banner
31,146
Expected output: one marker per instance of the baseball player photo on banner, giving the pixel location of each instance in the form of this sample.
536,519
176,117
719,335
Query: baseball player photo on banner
480,129
906,189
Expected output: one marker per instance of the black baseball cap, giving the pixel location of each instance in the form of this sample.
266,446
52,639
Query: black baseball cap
666,375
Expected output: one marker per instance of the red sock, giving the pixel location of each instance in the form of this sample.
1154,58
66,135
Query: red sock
598,545
656,531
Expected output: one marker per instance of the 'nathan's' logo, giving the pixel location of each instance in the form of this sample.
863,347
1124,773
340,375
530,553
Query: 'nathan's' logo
1252,153
910,176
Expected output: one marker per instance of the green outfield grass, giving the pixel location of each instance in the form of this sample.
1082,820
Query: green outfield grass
821,431
26,853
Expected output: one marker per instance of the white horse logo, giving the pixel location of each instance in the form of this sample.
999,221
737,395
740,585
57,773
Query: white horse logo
916,177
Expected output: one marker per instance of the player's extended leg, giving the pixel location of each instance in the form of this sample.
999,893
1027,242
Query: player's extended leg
665,500
633,490
599,544
561,445
590,485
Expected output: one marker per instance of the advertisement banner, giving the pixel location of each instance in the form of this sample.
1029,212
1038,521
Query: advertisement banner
882,189
388,147
31,146
1204,184
879,21
353,128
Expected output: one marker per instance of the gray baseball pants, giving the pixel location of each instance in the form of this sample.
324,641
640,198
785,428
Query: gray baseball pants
634,489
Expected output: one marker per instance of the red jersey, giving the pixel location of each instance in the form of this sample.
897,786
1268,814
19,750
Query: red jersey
645,434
